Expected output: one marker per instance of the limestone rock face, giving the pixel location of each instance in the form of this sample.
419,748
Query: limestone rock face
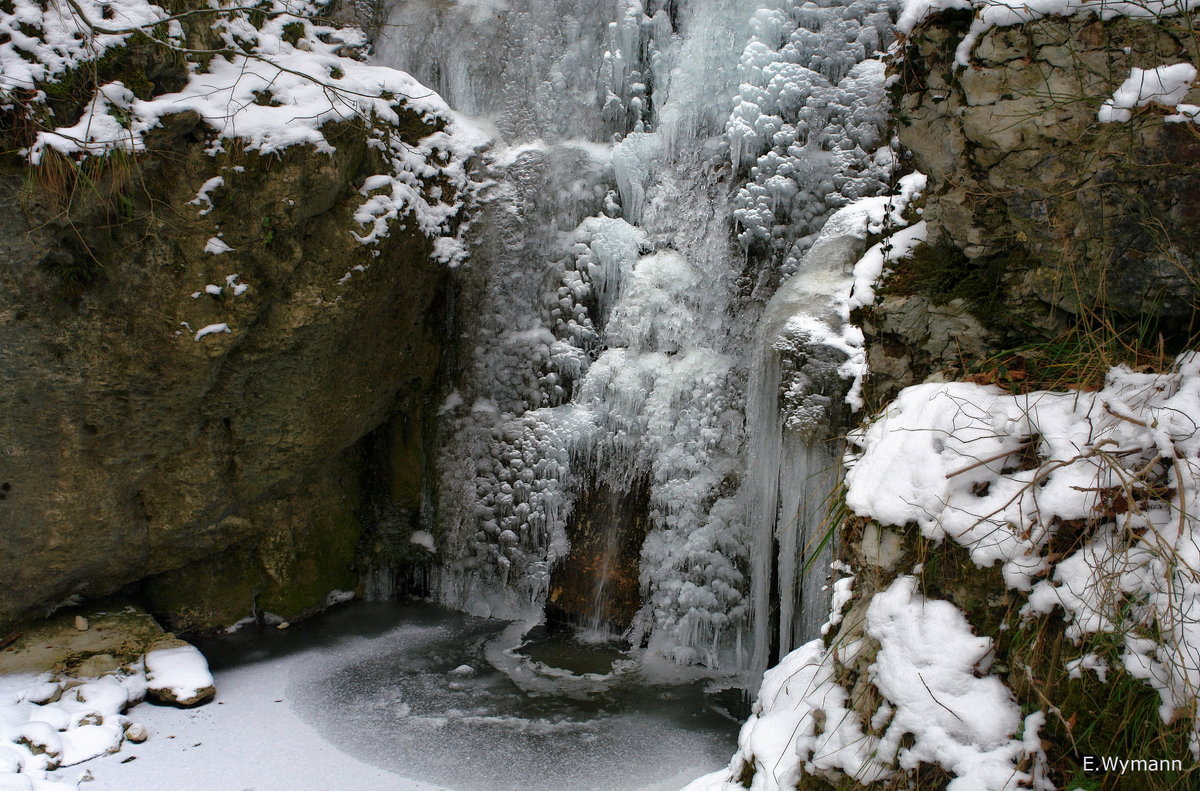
1043,221
131,442
1046,212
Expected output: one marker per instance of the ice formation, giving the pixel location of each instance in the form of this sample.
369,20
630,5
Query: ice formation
613,296
807,368
808,120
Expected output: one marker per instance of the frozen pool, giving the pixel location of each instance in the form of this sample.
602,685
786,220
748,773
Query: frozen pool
412,696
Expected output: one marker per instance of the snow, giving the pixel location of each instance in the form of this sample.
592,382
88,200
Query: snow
231,283
204,194
1164,85
903,238
1089,661
928,669
212,329
244,739
281,76
86,721
944,457
309,86
180,672
998,474
423,538
43,40
843,593
406,702
1002,13
215,246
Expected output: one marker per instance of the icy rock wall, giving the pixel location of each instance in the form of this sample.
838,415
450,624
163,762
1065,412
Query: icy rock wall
606,310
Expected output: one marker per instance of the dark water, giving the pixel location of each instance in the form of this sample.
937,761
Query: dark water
415,689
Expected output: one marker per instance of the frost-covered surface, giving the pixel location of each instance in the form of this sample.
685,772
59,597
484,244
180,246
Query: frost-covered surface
276,79
615,309
808,120
1164,85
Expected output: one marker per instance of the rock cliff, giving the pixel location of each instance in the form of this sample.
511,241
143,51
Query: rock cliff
192,347
1059,245
1045,223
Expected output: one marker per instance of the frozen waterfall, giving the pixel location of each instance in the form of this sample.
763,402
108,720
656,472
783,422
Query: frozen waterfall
660,170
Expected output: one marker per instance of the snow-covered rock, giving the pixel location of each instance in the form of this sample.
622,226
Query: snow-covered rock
179,676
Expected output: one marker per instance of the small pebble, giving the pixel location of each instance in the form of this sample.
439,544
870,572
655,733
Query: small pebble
136,733
81,623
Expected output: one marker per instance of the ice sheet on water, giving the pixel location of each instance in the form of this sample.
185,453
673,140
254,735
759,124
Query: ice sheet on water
393,701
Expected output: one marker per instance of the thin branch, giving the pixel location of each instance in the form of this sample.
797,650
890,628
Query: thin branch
989,460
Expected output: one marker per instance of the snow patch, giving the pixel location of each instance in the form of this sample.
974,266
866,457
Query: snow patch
423,538
212,329
215,246
1164,85
947,457
204,194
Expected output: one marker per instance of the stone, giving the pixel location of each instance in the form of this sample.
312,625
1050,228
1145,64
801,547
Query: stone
179,676
136,732
120,635
194,698
44,693
98,665
1020,172
880,547
135,450
1000,45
